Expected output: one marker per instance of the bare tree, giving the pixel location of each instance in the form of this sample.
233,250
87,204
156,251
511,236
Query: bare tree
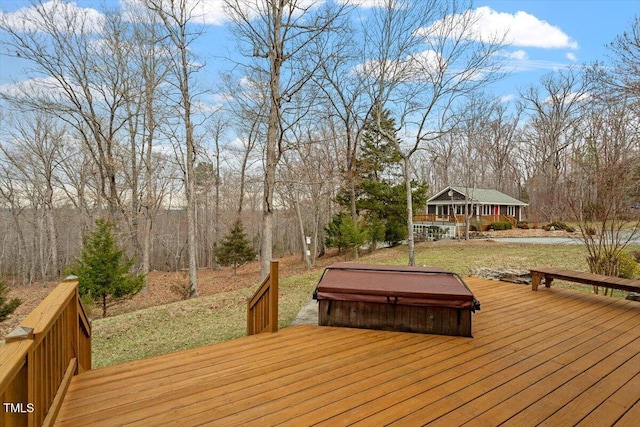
78,81
552,112
177,16
428,57
248,110
502,142
605,169
99,74
343,88
33,151
153,68
604,178
277,34
625,52
10,193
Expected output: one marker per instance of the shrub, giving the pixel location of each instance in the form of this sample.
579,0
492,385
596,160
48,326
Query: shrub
628,267
624,265
557,225
500,225
180,286
523,225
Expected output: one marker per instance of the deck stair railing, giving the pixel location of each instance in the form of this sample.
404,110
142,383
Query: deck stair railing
39,358
262,307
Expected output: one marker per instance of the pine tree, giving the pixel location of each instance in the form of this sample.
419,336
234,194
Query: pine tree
234,249
103,270
381,196
6,306
343,233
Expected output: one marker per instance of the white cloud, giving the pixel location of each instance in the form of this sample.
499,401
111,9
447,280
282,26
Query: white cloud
419,66
200,107
520,29
202,11
507,98
36,86
519,60
572,57
212,12
519,55
571,97
536,64
60,13
365,4
222,97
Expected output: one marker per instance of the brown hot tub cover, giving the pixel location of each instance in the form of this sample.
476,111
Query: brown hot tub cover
406,285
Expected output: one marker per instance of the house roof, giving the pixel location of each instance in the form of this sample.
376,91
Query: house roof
479,195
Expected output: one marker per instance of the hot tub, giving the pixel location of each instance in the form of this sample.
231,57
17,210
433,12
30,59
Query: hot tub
395,298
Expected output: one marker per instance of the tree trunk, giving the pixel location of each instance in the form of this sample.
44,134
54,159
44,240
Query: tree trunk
303,240
53,239
274,135
354,211
216,214
191,212
148,208
407,186
266,244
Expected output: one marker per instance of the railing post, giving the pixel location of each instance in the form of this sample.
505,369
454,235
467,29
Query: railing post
74,332
262,307
249,318
22,389
273,297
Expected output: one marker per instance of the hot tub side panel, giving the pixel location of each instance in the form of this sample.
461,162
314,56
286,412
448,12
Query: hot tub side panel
395,317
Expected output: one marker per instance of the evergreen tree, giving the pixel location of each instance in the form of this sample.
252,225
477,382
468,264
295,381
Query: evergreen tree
103,270
380,192
343,233
6,306
234,249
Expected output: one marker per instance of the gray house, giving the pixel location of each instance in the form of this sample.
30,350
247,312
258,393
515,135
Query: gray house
447,209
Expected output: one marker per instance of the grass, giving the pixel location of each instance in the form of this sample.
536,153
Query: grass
193,323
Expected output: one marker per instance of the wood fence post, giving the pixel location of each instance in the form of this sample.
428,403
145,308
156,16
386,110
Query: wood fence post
273,297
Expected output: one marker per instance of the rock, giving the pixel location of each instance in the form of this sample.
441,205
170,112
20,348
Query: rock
503,274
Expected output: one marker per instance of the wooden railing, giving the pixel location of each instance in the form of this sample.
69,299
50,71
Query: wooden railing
262,307
485,220
41,355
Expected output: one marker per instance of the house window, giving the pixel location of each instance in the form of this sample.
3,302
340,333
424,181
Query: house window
442,210
511,210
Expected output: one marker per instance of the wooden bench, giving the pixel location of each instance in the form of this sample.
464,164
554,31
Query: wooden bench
549,273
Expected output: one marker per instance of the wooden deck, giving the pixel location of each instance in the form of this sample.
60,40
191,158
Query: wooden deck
553,357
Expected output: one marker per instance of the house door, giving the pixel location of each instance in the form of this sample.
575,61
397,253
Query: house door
442,212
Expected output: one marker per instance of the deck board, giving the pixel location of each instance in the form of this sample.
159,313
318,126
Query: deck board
556,357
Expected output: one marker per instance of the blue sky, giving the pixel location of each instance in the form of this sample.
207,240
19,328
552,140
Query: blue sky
546,34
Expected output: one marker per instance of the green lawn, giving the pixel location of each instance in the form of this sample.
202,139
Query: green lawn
187,324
